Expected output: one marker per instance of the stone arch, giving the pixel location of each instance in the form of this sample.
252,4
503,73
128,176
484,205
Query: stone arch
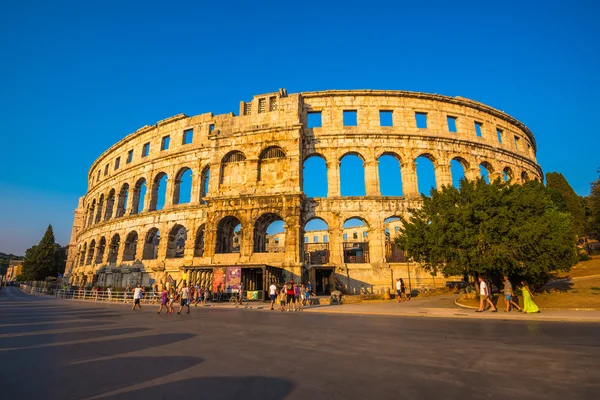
270,165
233,168
110,203
425,165
352,174
226,231
122,200
151,244
315,167
100,207
130,248
91,214
316,241
90,252
507,174
199,241
176,242
83,254
262,239
355,240
113,248
524,177
204,181
486,171
100,250
458,170
182,193
139,193
392,229
389,167
159,192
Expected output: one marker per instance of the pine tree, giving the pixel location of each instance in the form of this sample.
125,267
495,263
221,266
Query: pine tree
40,260
566,200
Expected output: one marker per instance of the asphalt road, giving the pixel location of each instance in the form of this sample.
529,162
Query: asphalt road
59,349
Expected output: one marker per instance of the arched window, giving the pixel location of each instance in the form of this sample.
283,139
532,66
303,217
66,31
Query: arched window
113,248
425,174
199,242
183,186
130,249
507,174
151,245
314,176
270,169
176,242
457,170
82,254
90,253
204,182
485,170
110,203
392,229
159,192
100,251
269,234
139,194
352,175
92,211
355,235
316,242
524,177
233,169
100,207
390,175
228,235
122,201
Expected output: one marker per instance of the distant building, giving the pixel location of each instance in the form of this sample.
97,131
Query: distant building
14,269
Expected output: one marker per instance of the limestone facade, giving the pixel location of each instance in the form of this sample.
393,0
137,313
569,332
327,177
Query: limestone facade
247,170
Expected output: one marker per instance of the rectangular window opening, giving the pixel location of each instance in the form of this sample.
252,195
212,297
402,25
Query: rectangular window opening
247,108
451,124
305,239
211,128
106,170
517,142
421,119
188,136
326,239
345,236
146,150
164,144
315,239
355,235
129,156
478,126
262,105
350,118
314,119
499,133
273,103
385,118
117,163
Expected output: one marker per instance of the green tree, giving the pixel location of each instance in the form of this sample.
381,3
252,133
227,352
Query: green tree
44,259
566,200
490,230
593,202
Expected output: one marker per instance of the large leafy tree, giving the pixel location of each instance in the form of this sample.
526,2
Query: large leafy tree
566,200
47,258
593,202
490,229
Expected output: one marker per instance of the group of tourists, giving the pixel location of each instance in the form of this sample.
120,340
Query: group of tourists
509,297
401,294
291,297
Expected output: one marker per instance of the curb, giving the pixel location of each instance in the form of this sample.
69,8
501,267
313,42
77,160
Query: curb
543,309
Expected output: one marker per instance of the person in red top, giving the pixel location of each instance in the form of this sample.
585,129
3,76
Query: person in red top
290,291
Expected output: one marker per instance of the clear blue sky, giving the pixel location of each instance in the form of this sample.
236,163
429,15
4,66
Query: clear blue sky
78,76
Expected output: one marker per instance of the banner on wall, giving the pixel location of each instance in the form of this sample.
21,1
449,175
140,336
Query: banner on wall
218,278
233,279
252,294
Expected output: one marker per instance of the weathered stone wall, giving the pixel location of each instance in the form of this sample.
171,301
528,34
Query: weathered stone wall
246,181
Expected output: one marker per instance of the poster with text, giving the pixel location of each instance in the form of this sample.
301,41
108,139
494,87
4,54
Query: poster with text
218,278
233,279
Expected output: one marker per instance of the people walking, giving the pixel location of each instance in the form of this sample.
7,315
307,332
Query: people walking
219,293
185,298
509,294
273,294
137,297
126,293
528,305
290,293
164,301
398,291
110,291
282,298
484,296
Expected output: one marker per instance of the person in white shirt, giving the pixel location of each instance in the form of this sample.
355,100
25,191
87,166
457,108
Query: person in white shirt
185,299
398,290
137,296
272,294
484,296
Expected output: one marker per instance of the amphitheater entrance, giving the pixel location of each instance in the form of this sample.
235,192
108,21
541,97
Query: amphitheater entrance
323,280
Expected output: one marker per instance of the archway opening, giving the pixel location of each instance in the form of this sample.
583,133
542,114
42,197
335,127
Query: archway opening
507,174
159,192
352,175
204,182
100,208
524,177
113,248
176,242
130,249
316,242
390,175
314,176
457,171
151,245
110,202
83,254
271,164
92,211
122,202
229,232
392,229
100,251
199,242
139,196
425,174
90,253
355,238
484,172
269,234
233,169
183,186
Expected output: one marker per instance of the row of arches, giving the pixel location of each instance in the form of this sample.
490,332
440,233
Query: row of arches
389,174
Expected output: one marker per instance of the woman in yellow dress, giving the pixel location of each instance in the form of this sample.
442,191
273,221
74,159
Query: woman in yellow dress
528,305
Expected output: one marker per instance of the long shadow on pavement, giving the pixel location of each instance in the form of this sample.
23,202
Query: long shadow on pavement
9,343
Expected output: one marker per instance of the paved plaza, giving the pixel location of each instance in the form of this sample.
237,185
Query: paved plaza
61,349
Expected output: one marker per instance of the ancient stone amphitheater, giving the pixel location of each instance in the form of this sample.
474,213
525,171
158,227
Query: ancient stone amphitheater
246,171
